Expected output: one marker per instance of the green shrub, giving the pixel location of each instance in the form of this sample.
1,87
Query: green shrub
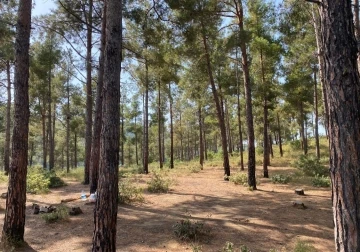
304,247
61,213
77,174
239,179
295,145
321,181
54,180
229,247
280,179
158,184
311,166
187,230
129,193
37,182
195,168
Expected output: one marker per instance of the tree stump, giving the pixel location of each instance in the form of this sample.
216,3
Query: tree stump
299,191
299,205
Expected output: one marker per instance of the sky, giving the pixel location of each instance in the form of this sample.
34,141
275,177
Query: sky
42,7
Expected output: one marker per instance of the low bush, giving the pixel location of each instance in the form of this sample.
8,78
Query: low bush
54,180
129,193
195,168
239,179
280,179
321,181
304,247
158,184
61,213
311,166
190,231
37,181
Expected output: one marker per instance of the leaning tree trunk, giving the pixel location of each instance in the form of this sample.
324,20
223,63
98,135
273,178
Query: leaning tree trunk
8,118
343,90
317,143
14,223
219,110
89,100
105,213
247,87
95,148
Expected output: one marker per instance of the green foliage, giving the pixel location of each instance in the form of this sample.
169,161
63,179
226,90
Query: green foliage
158,184
54,180
280,179
239,179
190,231
77,174
61,213
3,177
321,181
195,168
129,193
304,247
310,166
37,181
295,145
229,247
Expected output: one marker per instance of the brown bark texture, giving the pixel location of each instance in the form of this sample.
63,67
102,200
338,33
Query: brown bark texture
8,118
343,92
105,214
14,223
89,100
95,149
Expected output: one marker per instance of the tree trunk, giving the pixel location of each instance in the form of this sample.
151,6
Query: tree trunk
146,121
105,214
220,114
8,118
95,148
247,87
241,146
14,223
122,134
317,144
303,129
75,150
181,140
357,27
266,157
201,143
279,133
68,122
88,126
343,88
136,144
44,138
319,44
171,130
159,126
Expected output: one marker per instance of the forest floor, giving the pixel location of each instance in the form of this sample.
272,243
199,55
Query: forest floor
262,220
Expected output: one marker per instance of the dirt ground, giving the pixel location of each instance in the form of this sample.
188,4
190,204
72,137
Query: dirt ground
262,220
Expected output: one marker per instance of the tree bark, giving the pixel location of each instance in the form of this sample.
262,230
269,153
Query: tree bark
220,114
201,142
68,122
8,118
266,157
316,111
159,125
279,133
89,100
146,121
247,87
105,214
343,88
95,148
14,223
171,130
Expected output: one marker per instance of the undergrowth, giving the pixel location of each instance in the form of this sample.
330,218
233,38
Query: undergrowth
61,213
129,193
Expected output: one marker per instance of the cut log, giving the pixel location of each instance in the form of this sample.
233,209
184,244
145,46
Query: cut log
68,200
299,204
299,191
